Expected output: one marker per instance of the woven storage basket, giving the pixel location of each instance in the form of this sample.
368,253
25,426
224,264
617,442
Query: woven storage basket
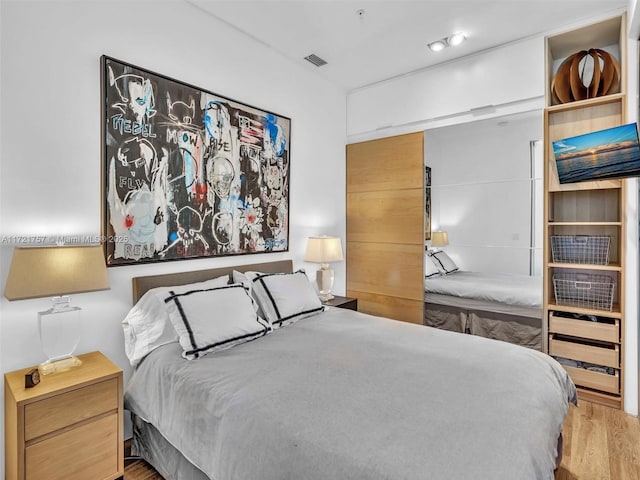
584,290
586,249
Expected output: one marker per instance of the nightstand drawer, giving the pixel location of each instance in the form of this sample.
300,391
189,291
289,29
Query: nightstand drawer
59,411
89,451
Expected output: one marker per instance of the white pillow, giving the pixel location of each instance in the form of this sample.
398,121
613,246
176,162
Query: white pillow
213,319
430,269
443,262
243,278
284,297
239,277
147,325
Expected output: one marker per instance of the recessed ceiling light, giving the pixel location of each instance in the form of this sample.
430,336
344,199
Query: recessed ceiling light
437,45
456,38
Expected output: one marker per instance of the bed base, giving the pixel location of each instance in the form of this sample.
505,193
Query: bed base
513,324
149,444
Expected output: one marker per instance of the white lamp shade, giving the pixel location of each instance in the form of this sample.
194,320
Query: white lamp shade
57,271
48,271
439,239
323,249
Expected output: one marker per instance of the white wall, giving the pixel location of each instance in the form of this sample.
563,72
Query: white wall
481,191
505,80
50,127
497,82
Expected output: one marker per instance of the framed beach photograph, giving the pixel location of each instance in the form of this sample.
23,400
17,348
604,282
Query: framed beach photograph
188,173
602,155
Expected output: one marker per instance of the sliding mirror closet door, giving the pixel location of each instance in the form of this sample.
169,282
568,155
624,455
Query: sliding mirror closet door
487,192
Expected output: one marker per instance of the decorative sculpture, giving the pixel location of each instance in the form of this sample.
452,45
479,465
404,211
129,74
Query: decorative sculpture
571,82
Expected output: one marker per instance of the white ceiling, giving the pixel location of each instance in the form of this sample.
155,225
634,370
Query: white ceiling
391,38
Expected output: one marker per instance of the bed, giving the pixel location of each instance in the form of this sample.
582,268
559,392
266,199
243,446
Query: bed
338,394
500,306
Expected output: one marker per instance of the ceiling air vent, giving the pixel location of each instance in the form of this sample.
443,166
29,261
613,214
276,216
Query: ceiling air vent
316,60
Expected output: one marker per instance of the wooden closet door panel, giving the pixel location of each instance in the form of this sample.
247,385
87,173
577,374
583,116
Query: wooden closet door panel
386,269
390,307
385,226
388,216
386,164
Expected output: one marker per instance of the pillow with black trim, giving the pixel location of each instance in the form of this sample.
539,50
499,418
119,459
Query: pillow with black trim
284,298
147,325
213,319
430,269
443,262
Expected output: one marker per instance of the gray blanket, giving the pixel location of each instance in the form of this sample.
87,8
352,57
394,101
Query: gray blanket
344,395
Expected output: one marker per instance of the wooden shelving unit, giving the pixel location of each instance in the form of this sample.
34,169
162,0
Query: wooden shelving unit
586,336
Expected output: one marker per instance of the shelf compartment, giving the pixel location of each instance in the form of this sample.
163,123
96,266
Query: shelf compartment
594,380
586,206
581,249
606,355
608,35
607,275
593,116
614,232
586,290
576,327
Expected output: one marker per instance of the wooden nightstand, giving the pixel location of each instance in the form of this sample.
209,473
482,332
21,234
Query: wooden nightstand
343,302
69,426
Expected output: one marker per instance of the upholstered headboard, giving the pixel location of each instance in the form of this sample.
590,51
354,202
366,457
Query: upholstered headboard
142,284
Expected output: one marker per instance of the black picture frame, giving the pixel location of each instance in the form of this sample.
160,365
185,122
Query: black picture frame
427,203
188,173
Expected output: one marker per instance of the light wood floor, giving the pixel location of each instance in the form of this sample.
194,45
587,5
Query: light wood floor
140,470
600,443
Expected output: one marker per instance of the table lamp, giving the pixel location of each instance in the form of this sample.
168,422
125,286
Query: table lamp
439,239
324,250
57,271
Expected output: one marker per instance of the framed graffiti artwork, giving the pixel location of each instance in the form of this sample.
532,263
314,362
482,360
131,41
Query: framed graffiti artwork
188,173
427,203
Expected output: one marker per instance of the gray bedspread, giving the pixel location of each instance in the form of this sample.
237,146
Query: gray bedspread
344,395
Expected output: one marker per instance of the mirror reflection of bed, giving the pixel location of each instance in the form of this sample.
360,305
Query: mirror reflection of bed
486,194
